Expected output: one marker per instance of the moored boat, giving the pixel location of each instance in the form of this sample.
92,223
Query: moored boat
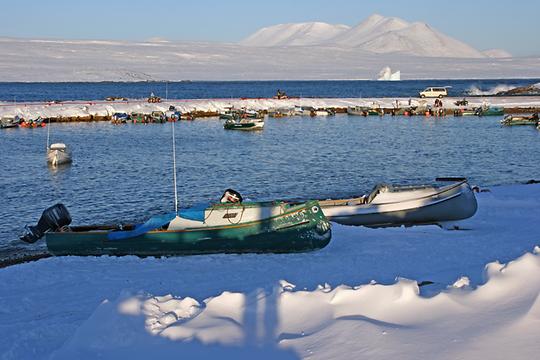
248,227
390,205
511,120
8,123
119,118
58,154
490,111
357,110
244,124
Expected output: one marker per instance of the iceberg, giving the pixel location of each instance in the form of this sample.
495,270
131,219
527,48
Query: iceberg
386,75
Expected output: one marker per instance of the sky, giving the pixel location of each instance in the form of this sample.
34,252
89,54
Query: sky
510,25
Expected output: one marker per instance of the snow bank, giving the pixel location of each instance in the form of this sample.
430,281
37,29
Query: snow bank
104,108
382,320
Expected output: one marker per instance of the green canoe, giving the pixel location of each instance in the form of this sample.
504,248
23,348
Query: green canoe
277,228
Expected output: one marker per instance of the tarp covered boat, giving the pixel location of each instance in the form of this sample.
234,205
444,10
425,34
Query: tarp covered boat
221,228
390,205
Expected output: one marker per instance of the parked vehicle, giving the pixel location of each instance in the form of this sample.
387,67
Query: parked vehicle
434,92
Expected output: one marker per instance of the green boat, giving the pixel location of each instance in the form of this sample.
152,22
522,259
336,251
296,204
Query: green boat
244,124
513,120
490,111
243,227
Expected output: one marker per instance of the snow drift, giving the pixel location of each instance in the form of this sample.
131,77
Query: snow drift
385,321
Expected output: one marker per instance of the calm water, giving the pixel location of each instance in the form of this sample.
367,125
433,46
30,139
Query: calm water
236,89
124,172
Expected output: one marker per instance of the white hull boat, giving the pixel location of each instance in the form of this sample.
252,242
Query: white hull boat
389,205
58,154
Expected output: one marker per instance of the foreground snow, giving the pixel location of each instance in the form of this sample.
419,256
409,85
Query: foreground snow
317,305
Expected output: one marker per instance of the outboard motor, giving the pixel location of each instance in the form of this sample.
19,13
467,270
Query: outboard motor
53,218
231,196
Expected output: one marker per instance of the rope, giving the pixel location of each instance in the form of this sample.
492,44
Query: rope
174,171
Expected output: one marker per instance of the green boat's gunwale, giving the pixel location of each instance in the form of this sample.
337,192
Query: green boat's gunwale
247,204
291,210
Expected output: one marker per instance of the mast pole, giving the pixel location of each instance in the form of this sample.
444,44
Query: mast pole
174,170
48,132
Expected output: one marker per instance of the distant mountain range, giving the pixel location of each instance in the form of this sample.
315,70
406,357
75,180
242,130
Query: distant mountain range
377,34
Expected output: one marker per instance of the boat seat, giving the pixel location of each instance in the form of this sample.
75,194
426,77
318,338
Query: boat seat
376,190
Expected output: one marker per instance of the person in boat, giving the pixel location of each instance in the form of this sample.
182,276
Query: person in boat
534,116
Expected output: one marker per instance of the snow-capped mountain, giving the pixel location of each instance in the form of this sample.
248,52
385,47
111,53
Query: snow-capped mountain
310,33
377,34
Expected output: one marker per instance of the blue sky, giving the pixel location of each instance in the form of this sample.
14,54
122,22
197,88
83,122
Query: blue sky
511,25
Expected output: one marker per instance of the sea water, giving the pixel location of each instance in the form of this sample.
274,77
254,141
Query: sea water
124,172
253,89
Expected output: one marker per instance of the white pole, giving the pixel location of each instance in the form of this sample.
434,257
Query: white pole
174,170
48,132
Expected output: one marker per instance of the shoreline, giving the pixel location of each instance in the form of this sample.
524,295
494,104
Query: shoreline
102,110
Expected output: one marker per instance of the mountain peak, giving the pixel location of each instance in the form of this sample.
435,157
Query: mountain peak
295,34
376,33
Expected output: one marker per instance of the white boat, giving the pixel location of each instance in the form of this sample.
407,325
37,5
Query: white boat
389,205
58,154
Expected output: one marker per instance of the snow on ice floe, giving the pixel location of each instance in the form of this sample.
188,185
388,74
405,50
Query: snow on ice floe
304,321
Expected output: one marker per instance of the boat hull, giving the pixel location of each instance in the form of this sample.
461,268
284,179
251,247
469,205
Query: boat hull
304,228
451,203
58,157
247,126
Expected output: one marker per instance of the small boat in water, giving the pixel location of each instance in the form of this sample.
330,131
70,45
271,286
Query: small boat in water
490,111
247,124
58,154
119,118
241,227
511,120
391,205
8,123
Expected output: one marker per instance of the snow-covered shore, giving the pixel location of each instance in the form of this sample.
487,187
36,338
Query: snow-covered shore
349,300
84,109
